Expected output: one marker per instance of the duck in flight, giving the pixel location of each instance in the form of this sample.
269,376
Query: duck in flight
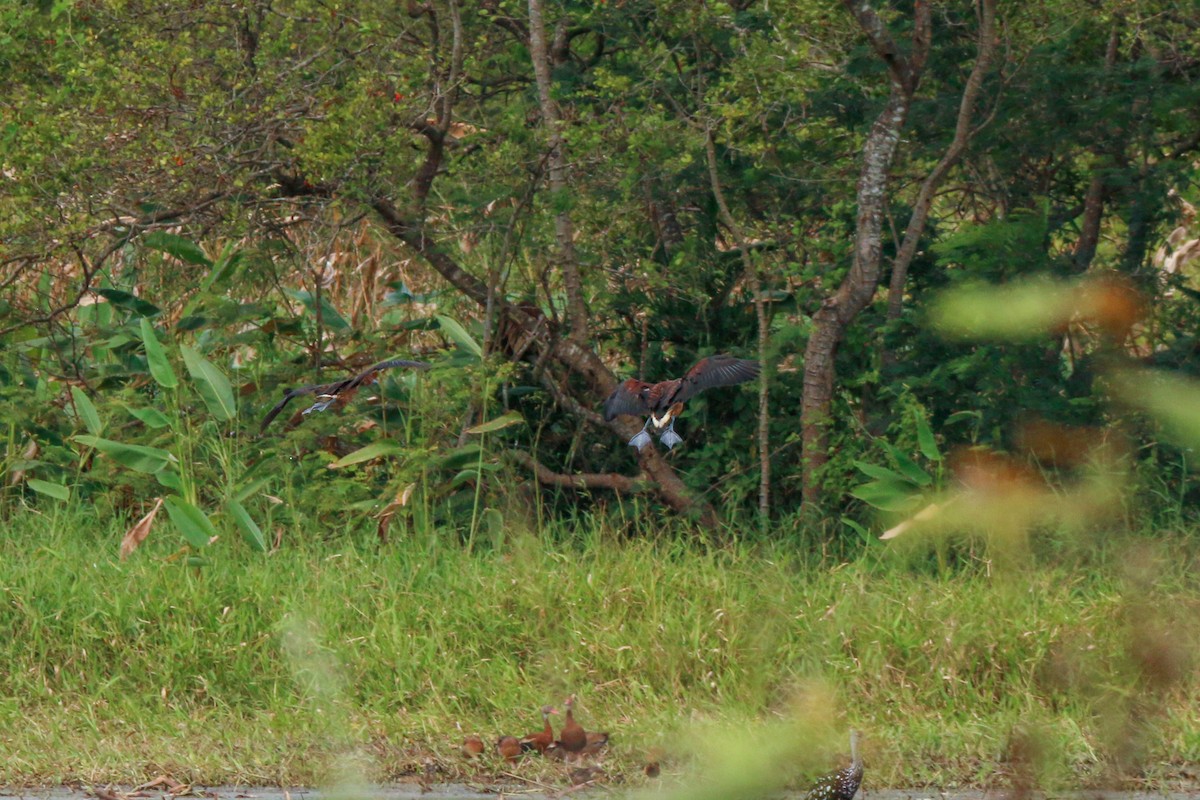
328,393
664,401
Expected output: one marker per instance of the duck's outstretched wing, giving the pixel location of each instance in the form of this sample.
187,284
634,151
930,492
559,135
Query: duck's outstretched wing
719,370
628,398
332,391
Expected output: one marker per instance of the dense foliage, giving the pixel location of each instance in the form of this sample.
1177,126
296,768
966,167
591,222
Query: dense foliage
205,202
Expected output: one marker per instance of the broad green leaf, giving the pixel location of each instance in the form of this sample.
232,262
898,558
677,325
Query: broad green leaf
156,357
250,489
887,495
135,456
880,473
250,530
170,479
211,382
499,423
178,246
926,440
150,416
55,490
459,334
191,521
863,533
129,301
909,468
330,318
87,411
373,450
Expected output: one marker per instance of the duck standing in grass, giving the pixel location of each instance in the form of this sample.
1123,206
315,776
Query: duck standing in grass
664,401
540,740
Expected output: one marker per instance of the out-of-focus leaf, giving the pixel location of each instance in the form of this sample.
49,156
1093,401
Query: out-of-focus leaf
87,411
138,533
211,382
191,521
55,490
887,495
135,456
459,335
178,246
371,451
1171,399
170,479
499,423
250,530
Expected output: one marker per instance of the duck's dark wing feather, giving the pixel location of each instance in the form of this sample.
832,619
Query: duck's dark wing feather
338,387
720,370
368,374
627,398
288,396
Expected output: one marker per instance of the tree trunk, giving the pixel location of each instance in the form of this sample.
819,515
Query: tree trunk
564,229
760,310
838,311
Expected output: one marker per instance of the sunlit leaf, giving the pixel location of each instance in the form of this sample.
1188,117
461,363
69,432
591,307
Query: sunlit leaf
138,533
499,423
190,521
896,496
459,335
135,456
55,490
87,411
214,387
880,473
156,358
371,451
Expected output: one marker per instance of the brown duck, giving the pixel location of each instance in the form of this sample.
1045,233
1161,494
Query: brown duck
664,401
509,747
472,746
542,739
343,390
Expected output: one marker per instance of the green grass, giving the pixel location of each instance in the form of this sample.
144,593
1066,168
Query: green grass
334,657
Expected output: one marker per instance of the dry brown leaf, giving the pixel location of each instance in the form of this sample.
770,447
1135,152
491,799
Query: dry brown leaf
138,533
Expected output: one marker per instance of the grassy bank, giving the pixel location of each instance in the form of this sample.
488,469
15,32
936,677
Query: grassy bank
287,667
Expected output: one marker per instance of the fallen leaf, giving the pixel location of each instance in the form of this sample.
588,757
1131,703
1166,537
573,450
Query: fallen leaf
138,533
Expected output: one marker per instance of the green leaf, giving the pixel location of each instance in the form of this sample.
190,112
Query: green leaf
250,489
373,450
150,416
887,495
908,468
135,456
191,521
459,334
250,530
330,318
87,411
129,301
156,357
880,473
926,440
170,479
863,533
213,385
1171,399
178,246
499,423
55,490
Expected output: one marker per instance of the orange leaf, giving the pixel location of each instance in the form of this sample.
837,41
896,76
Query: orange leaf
138,533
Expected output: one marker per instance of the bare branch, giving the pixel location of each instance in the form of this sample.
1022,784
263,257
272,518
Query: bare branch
581,480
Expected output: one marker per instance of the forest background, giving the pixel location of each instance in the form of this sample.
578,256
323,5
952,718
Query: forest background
960,237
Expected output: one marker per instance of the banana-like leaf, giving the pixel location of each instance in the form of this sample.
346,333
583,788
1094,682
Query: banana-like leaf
191,521
499,423
373,450
250,530
55,490
156,357
87,411
214,387
135,456
458,333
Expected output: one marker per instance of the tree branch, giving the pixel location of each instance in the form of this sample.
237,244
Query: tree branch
580,480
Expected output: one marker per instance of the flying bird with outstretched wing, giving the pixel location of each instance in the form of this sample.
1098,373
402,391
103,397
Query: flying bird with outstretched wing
664,401
329,393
